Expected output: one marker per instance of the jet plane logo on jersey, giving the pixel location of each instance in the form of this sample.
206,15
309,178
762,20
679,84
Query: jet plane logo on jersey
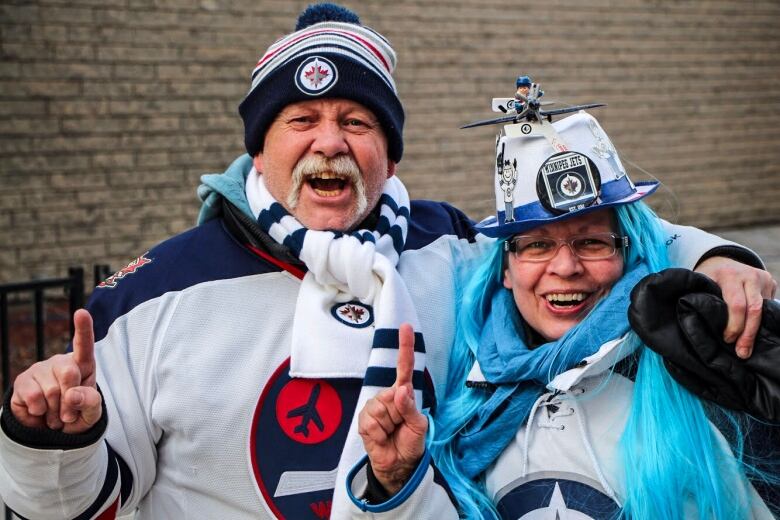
316,75
353,314
308,410
556,509
556,498
132,267
297,434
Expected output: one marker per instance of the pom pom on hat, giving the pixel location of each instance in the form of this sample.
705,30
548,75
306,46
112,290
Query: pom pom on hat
329,56
325,12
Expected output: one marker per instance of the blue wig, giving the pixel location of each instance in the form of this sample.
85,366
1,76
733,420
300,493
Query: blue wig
674,454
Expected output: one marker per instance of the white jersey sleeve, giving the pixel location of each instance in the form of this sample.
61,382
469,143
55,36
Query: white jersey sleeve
57,484
87,482
425,495
688,245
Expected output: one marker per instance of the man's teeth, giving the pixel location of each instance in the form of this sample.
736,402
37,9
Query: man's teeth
327,184
328,175
568,297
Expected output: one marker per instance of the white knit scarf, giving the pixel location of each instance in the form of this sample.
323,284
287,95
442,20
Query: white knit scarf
351,302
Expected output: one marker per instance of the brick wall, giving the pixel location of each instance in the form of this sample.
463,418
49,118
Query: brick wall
111,109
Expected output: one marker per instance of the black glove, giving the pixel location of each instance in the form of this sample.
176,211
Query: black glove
681,315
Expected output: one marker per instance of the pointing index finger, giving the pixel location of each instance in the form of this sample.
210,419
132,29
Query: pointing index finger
405,365
84,342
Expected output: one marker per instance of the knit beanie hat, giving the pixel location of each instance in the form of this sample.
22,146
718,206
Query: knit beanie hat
330,55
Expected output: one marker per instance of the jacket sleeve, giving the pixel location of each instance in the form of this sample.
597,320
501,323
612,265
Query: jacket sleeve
425,495
72,480
688,246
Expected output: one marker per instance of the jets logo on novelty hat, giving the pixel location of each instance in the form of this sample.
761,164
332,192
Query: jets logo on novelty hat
561,169
567,181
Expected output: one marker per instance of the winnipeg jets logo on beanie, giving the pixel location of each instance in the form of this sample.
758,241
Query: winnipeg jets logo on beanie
330,55
316,75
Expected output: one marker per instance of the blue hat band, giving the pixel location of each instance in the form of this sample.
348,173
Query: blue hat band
532,215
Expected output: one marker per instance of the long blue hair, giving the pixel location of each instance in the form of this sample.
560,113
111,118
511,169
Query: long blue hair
670,452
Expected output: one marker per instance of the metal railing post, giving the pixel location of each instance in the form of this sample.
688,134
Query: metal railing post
100,272
40,325
75,293
5,348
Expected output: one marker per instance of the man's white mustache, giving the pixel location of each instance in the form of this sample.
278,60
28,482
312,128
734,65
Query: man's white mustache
344,166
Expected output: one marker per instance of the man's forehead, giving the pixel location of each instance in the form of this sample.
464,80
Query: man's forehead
338,105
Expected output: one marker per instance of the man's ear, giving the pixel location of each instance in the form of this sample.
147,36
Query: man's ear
390,168
257,162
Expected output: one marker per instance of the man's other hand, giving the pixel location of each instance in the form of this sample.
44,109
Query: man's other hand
744,289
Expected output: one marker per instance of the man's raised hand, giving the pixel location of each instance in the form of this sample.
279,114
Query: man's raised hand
744,290
60,393
392,428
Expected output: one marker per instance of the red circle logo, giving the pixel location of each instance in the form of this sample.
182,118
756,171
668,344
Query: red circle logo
308,410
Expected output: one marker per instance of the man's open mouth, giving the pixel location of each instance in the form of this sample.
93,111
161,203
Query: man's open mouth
327,184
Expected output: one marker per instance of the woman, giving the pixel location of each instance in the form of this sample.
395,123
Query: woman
554,407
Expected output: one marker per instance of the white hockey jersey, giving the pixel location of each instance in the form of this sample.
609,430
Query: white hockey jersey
564,462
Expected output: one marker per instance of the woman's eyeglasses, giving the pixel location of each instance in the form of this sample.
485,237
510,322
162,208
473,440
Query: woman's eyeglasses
591,246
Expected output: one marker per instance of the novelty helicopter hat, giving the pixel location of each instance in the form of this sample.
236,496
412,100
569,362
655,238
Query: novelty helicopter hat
330,55
545,175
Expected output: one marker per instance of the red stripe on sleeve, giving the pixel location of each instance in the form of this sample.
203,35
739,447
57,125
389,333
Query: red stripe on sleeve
110,513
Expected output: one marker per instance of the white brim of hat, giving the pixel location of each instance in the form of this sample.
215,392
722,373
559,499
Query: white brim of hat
490,226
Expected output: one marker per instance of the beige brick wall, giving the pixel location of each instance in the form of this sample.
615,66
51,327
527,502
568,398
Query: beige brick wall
111,109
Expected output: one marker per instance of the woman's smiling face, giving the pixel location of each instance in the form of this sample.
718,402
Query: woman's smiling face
555,295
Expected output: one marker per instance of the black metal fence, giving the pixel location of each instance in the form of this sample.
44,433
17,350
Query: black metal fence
34,292
72,285
73,288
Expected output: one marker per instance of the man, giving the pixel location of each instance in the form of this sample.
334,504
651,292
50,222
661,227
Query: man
224,373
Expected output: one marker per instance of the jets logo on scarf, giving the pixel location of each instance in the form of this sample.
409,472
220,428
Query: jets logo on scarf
353,314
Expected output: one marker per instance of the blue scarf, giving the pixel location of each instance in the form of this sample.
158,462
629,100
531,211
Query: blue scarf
521,374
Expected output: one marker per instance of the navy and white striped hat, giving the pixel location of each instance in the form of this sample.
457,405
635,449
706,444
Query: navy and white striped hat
330,55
